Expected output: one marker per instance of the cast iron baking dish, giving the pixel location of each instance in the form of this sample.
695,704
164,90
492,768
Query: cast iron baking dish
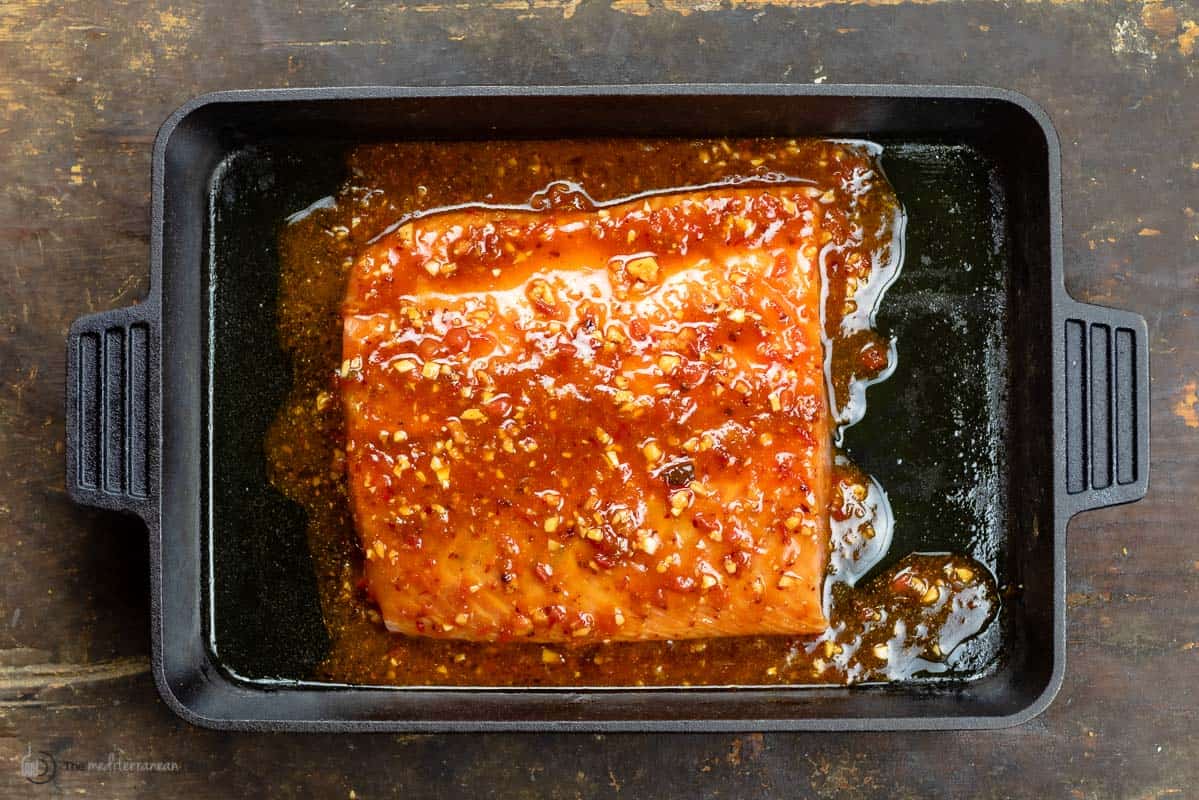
1013,407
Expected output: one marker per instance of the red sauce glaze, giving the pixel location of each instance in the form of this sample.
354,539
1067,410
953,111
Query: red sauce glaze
564,424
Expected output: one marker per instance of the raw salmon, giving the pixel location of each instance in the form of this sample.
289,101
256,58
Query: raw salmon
593,423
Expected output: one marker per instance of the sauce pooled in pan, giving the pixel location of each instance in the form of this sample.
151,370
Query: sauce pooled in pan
622,471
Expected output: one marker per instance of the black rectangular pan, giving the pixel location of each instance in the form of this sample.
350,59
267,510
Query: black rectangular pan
1015,407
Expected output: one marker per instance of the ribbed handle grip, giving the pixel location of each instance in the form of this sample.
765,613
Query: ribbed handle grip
1106,407
111,399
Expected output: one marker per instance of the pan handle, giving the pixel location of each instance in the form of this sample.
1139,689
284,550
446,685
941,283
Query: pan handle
1104,406
112,407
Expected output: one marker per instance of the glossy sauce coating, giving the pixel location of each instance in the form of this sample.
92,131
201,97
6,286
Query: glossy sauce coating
565,424
306,445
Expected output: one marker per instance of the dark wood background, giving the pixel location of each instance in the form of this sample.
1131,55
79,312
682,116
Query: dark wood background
84,86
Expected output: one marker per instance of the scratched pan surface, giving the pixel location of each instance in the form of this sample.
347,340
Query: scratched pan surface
970,435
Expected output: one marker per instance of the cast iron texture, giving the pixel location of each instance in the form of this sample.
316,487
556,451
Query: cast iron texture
142,430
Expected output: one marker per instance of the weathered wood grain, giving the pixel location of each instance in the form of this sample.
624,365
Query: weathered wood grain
83,87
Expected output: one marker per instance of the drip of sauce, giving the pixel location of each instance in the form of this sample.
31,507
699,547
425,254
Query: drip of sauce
856,354
905,622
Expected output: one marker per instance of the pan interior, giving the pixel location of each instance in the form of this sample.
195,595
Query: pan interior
935,434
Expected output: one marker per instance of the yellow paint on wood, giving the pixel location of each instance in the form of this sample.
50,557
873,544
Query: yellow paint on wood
1187,408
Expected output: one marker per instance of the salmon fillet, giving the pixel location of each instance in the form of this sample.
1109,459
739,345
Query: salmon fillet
593,424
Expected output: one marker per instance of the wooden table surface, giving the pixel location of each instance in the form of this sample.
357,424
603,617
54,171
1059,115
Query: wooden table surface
84,86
